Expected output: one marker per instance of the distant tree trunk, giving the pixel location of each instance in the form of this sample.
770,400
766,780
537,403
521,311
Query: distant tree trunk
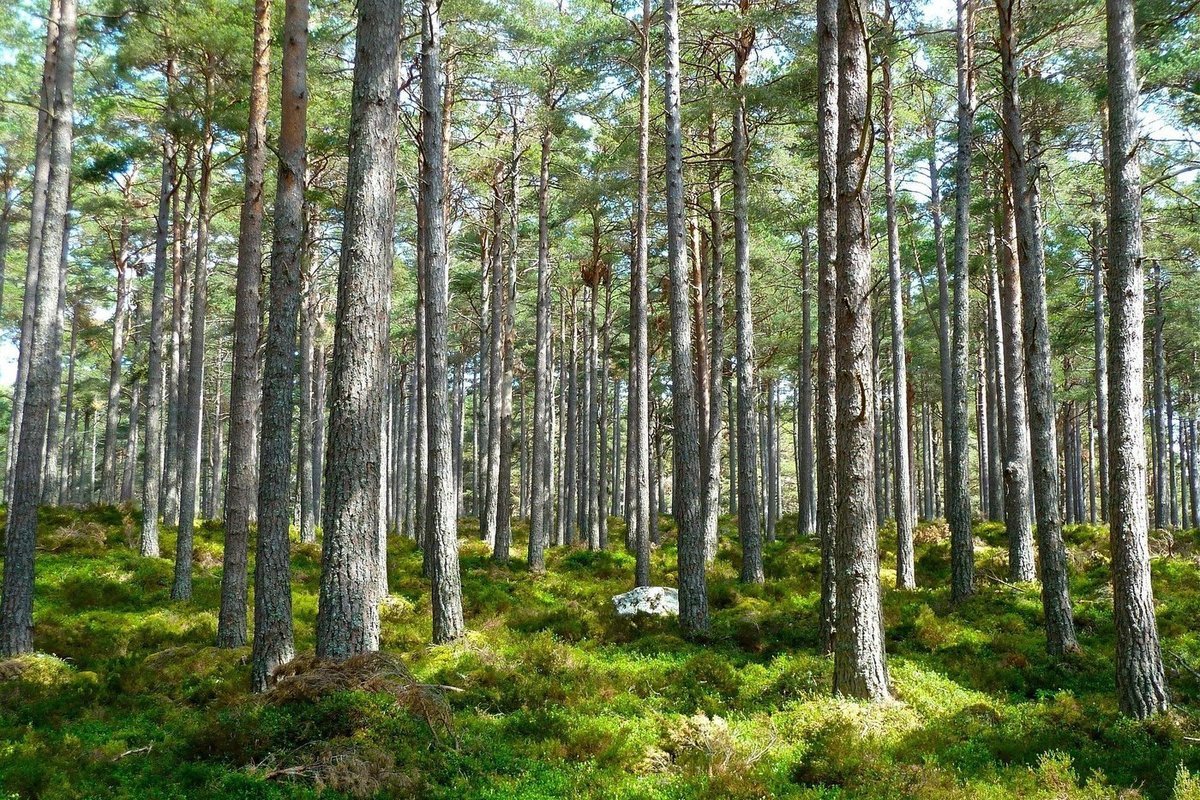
272,645
958,503
1101,356
308,407
193,410
176,391
52,467
747,434
448,622
997,395
905,559
716,356
131,442
693,590
806,506
1141,685
39,190
860,662
67,453
348,613
245,392
1017,512
124,298
827,294
540,515
1158,417
496,361
16,596
503,536
1056,601
639,383
153,465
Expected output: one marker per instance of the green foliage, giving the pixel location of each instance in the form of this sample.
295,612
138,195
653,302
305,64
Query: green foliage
551,695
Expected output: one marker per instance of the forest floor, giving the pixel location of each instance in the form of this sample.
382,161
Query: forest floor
552,696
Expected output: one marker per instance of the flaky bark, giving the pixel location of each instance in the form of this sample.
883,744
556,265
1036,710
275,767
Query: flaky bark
827,280
272,564
448,622
1141,685
348,612
860,663
16,596
693,589
244,392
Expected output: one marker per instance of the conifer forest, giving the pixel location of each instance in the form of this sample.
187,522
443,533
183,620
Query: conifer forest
614,399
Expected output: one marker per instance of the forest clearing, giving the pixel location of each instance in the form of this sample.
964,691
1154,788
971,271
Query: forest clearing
593,398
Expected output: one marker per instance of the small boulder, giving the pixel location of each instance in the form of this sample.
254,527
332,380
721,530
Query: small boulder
655,601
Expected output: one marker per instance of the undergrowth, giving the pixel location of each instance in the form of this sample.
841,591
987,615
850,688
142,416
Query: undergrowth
551,695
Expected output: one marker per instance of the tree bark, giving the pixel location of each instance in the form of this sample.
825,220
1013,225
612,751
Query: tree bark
693,590
860,662
348,613
1056,601
747,434
192,412
16,596
902,496
1017,512
827,293
1141,685
272,564
448,622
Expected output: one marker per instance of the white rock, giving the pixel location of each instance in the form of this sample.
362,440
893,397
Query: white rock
656,601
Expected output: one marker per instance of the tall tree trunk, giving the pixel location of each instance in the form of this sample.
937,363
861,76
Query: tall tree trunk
1141,685
52,467
1056,601
539,523
1017,512
716,355
958,503
503,543
905,560
16,596
348,613
124,297
39,191
827,294
153,465
693,590
1158,418
272,644
639,356
860,662
192,413
447,588
747,434
245,392
806,500
1101,357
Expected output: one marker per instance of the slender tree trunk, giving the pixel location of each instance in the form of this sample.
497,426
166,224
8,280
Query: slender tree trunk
1141,685
448,622
52,467
39,191
747,435
1017,512
503,536
539,523
958,503
806,500
153,466
905,560
1101,356
273,640
716,356
1056,601
193,410
860,662
245,392
693,591
16,596
124,297
827,294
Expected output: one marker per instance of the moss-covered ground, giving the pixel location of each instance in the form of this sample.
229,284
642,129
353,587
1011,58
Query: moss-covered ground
552,696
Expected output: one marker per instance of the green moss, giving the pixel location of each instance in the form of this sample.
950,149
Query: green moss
551,695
